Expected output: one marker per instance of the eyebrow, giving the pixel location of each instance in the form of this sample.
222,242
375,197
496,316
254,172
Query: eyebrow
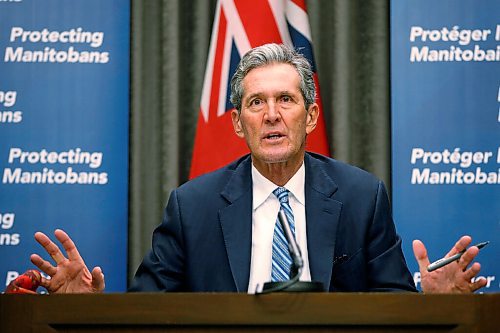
287,92
252,96
283,92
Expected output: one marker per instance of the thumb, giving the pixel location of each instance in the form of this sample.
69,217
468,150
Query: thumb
420,253
98,279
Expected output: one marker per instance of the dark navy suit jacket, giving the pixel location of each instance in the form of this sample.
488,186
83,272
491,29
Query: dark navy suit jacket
204,242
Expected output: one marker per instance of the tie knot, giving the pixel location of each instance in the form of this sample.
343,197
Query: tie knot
282,194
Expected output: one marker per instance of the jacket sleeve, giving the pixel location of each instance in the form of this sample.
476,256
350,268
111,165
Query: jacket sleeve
373,260
386,265
163,268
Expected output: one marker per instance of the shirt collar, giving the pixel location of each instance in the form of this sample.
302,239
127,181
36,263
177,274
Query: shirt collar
263,187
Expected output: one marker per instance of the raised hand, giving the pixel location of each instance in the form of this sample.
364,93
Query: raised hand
455,277
70,275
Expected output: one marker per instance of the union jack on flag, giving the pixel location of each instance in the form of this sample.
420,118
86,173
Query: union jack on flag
240,25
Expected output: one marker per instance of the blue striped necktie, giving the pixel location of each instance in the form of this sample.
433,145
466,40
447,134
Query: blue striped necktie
282,260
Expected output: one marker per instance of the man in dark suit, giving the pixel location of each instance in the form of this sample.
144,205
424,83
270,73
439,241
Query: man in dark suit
218,230
207,232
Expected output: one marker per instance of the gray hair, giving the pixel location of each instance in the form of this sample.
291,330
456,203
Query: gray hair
270,54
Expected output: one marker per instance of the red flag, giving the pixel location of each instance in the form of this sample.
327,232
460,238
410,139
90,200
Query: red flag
240,25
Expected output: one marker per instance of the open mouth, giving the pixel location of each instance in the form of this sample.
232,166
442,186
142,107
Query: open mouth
273,136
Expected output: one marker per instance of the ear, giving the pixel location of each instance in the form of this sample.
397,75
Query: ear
312,118
238,129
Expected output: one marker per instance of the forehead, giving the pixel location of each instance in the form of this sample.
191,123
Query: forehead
271,78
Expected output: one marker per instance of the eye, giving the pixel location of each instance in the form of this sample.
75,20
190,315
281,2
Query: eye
256,102
286,99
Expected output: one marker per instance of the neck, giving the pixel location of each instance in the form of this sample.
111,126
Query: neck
280,172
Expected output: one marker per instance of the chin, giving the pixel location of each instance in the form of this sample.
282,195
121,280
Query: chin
276,157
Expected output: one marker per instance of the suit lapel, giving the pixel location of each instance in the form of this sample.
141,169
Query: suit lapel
322,217
236,223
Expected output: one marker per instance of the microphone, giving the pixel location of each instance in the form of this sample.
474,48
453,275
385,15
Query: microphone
293,247
293,284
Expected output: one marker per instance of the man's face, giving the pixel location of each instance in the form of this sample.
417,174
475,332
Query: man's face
273,118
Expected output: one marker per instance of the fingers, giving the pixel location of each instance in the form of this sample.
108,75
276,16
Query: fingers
478,284
470,274
43,265
467,257
20,290
420,253
460,245
49,246
54,251
458,276
98,279
46,283
68,245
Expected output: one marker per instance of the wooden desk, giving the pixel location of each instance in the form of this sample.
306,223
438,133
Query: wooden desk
283,312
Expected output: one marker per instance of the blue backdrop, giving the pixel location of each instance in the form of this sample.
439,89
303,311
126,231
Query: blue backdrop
446,126
64,110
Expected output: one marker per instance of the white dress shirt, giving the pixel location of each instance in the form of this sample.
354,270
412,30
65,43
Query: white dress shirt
265,210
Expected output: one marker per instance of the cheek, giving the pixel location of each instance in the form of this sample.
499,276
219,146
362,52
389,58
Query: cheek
297,126
250,125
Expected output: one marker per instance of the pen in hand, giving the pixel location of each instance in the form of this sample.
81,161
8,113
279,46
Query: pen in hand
445,261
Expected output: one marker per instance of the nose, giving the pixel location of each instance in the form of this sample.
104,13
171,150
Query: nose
272,113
